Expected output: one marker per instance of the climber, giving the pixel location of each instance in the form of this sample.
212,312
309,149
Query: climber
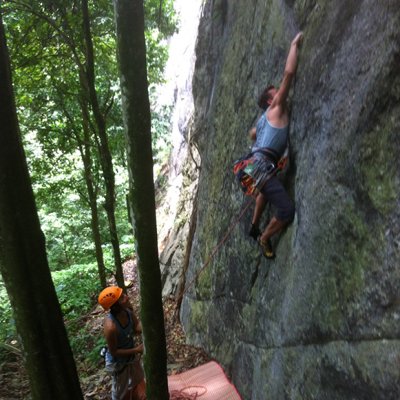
122,356
271,138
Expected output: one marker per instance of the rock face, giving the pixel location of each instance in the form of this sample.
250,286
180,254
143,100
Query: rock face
321,321
177,201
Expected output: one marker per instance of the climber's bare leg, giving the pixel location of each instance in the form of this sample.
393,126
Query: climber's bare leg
259,209
274,226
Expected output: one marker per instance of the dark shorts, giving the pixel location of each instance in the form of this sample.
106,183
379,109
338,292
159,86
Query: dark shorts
276,194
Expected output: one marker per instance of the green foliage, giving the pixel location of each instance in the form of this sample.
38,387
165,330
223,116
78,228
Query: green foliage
85,345
94,351
47,50
76,289
7,324
160,128
156,57
160,16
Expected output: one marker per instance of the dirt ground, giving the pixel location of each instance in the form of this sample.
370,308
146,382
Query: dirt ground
95,382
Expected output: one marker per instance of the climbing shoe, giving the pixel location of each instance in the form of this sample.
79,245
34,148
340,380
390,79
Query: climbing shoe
266,248
254,232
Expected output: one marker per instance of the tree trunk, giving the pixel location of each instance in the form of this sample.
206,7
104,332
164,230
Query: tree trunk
23,262
85,150
185,264
104,149
136,112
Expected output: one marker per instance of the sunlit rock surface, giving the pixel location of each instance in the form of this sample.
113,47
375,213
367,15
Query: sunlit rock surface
177,199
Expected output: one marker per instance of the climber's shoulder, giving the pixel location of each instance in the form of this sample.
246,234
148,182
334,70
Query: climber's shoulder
278,115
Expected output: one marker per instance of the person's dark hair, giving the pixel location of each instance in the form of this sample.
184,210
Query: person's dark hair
115,309
264,97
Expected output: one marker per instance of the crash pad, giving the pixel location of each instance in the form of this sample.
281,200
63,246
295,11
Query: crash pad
205,382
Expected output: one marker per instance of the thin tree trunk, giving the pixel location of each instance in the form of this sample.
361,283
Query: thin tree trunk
85,151
185,264
23,262
104,149
136,111
84,147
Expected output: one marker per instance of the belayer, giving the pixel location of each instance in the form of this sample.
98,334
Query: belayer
257,171
122,355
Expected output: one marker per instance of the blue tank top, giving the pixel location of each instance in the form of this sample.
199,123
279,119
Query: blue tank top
271,137
124,338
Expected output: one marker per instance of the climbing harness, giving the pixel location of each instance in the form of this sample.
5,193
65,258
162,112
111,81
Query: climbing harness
252,172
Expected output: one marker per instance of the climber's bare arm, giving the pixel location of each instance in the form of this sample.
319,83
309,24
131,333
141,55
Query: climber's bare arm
290,70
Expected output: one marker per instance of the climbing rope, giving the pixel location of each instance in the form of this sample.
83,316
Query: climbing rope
183,395
216,248
221,242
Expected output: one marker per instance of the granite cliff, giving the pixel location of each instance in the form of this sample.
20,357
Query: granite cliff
322,320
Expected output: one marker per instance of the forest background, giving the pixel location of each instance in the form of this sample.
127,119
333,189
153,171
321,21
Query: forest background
68,99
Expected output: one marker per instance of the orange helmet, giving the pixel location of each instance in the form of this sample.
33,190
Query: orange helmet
109,296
